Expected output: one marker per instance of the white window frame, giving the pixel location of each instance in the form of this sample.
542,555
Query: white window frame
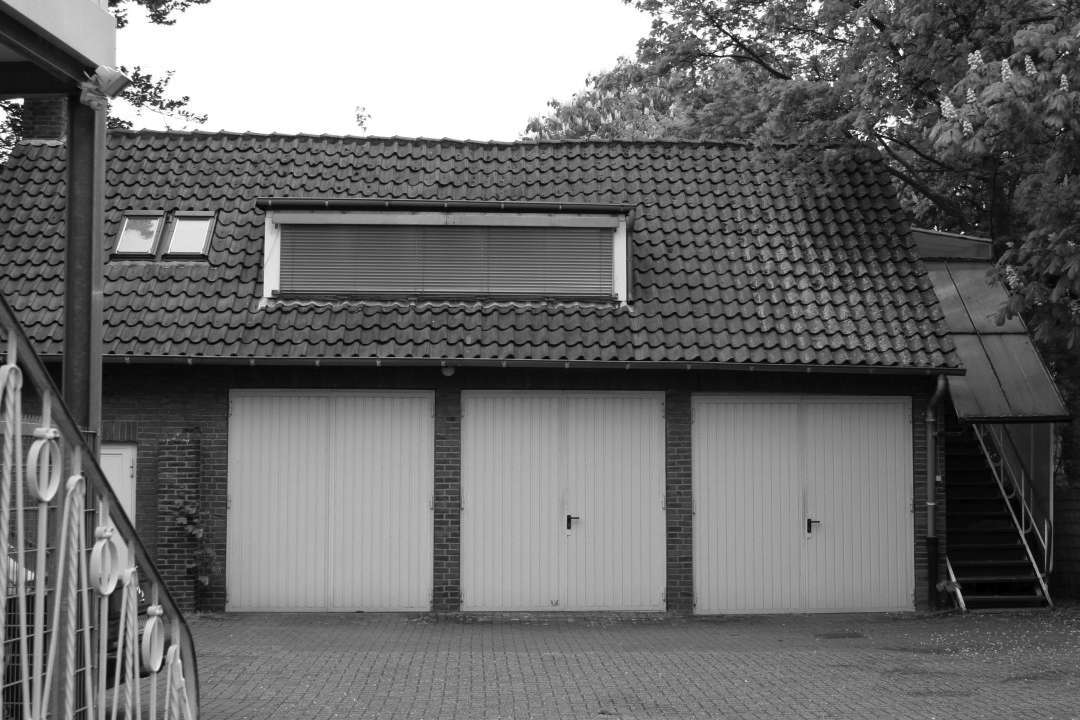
271,266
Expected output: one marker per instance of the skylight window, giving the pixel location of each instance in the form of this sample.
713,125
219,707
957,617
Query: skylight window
138,235
157,235
189,235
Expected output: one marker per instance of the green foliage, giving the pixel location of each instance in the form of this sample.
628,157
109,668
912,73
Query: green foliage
149,94
1017,111
203,561
160,12
835,77
145,93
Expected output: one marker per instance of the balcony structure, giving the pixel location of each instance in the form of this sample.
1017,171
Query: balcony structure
88,627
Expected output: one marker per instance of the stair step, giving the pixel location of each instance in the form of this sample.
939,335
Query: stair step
969,565
960,499
978,512
968,579
959,540
1003,601
1003,552
1004,529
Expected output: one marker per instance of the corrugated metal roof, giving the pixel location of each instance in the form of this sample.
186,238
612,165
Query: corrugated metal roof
1006,380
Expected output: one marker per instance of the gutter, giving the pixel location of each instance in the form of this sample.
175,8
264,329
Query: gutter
377,362
933,479
279,203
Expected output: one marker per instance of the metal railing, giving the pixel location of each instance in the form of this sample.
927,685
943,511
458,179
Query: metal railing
89,627
1015,486
953,585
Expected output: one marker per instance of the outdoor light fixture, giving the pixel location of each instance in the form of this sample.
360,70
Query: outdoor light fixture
105,83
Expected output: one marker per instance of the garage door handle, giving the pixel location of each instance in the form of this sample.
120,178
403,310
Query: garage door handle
810,525
570,519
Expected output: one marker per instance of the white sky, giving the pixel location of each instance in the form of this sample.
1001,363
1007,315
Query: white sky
469,69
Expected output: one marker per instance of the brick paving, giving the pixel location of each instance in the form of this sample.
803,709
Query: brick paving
1001,665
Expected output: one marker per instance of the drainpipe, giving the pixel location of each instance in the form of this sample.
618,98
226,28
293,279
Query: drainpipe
932,478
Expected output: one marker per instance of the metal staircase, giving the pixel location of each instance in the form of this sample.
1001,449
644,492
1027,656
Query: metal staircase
998,552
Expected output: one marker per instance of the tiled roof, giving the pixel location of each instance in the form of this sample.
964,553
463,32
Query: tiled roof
733,261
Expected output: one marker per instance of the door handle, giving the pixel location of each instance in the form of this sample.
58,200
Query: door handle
570,519
810,523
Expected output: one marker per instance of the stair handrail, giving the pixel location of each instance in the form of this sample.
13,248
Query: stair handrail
1003,449
1003,476
954,587
88,478
1034,510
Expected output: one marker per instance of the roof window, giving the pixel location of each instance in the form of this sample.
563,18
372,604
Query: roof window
138,234
159,235
190,235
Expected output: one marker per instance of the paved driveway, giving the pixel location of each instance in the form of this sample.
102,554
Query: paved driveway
1011,665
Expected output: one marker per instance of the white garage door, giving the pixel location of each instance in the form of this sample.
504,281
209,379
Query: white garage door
562,501
330,500
802,504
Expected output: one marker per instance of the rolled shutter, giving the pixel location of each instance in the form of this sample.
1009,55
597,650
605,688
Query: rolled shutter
446,260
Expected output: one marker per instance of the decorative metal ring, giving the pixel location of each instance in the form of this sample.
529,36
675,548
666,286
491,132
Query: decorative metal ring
153,639
43,464
105,561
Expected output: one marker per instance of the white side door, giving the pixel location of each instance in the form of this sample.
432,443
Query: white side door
118,463
859,552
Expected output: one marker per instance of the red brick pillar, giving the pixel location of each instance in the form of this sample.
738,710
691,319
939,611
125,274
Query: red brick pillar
446,592
179,469
678,500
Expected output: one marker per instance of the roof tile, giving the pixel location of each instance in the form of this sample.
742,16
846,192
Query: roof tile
732,260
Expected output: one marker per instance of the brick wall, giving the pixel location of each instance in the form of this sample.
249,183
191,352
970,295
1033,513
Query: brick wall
179,469
44,117
150,407
152,404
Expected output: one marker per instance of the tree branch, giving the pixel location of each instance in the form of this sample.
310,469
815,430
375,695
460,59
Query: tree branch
928,158
947,206
745,48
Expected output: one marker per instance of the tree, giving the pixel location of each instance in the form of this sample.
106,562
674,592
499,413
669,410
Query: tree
840,76
145,91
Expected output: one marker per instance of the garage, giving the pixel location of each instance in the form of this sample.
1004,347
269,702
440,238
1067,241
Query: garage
802,504
562,501
330,498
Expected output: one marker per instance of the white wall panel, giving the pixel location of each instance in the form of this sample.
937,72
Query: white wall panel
380,503
747,513
859,485
510,502
322,485
613,465
762,465
531,459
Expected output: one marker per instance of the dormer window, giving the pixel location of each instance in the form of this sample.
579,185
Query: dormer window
510,255
156,235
